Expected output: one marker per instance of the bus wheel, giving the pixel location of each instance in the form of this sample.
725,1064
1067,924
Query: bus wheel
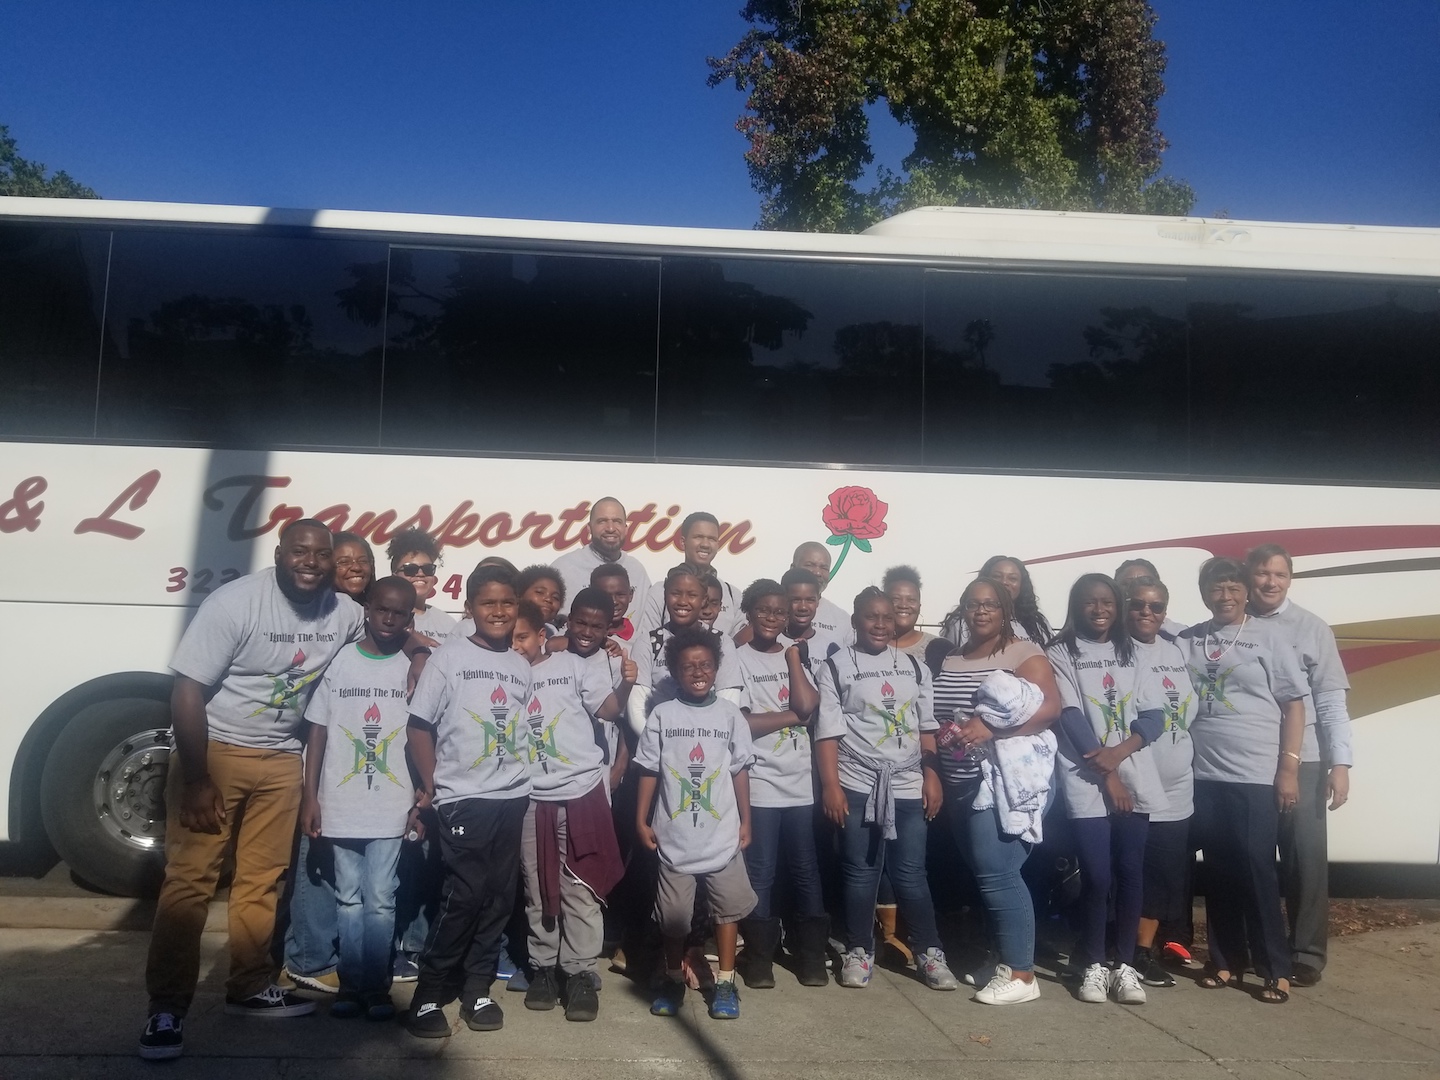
102,794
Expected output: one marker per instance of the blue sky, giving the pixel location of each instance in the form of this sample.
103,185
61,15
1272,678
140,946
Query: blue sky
1317,110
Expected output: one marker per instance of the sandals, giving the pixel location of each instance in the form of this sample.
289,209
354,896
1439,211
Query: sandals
1271,994
1211,980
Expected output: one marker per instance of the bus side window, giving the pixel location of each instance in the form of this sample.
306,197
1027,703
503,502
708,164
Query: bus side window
778,360
478,337
243,340
52,290
1326,379
1055,372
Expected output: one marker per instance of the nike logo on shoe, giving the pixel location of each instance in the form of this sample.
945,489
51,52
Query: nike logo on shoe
426,1009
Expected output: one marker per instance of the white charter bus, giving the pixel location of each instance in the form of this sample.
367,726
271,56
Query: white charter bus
178,381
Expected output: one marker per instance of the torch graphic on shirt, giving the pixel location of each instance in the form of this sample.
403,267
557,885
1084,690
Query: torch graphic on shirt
536,715
499,712
1172,698
286,687
887,702
794,733
1107,687
1112,709
696,770
370,731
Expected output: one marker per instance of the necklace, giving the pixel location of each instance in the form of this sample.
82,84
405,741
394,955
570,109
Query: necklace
1218,653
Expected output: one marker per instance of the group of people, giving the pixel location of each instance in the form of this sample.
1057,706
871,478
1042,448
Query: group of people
542,783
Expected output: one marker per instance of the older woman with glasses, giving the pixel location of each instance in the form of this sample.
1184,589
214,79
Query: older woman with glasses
1247,734
992,855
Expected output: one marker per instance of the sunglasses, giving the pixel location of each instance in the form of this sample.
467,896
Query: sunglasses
411,569
1155,606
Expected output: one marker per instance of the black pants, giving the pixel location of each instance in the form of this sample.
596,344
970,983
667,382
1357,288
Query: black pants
1305,868
480,843
1238,826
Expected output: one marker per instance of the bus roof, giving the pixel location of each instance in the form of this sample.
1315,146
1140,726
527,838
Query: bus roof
932,234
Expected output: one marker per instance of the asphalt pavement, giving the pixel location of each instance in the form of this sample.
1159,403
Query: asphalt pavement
73,1002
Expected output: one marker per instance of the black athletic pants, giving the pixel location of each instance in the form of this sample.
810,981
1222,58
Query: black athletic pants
480,843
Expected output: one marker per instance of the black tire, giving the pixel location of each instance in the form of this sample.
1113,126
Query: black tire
122,857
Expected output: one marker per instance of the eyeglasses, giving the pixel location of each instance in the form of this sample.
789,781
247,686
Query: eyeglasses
772,613
981,605
703,667
1156,606
347,562
411,569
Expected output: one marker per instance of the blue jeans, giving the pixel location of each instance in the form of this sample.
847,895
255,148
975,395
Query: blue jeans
310,939
365,881
417,898
864,853
995,859
787,831
1111,851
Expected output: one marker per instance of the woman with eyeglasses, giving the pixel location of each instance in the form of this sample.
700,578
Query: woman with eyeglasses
1166,680
1028,622
992,855
354,565
1247,734
1109,780
415,556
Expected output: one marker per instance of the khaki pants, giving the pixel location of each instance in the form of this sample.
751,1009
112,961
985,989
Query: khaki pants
573,940
261,793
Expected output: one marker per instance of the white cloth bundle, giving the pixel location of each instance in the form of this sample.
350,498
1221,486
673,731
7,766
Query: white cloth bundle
1016,774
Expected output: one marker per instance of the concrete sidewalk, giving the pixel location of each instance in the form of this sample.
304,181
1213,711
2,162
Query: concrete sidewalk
73,1004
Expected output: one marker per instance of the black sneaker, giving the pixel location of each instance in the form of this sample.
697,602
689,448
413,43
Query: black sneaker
272,1002
1305,975
582,1003
426,1020
482,1014
378,1006
162,1039
543,993
1152,972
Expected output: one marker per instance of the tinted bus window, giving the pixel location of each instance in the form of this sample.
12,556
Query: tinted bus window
242,340
527,353
1331,380
52,290
1049,371
790,361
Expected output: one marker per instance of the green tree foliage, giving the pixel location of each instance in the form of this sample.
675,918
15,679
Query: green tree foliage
1048,104
21,177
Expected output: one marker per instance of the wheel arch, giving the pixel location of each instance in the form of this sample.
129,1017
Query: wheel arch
26,824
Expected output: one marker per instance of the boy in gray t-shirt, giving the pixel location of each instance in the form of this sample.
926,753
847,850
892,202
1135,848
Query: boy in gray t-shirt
695,752
470,746
358,793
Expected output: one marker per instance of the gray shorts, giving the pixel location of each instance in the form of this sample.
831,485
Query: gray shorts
728,896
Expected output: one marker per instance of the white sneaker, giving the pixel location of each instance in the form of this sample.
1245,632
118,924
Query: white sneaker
1004,989
935,971
1125,986
1094,984
856,969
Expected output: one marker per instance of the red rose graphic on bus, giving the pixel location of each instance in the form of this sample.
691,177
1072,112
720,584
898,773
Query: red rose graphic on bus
854,517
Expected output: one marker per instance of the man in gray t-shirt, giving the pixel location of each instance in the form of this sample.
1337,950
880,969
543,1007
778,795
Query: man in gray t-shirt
244,672
608,529
1325,757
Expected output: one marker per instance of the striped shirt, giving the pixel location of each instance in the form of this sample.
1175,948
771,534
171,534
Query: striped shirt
954,698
